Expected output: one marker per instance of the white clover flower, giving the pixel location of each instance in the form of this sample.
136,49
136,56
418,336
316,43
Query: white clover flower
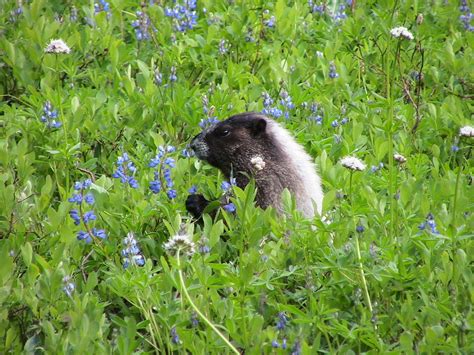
466,131
400,158
57,46
401,32
183,243
258,162
353,163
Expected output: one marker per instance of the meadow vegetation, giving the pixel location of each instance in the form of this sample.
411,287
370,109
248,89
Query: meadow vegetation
98,103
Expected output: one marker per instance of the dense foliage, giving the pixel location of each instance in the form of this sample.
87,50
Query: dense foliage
98,253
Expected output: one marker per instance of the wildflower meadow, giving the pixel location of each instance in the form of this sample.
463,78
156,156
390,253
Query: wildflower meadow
99,101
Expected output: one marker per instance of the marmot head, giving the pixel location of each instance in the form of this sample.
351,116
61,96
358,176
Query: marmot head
231,144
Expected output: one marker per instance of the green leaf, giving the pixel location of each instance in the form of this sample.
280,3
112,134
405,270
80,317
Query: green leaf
27,253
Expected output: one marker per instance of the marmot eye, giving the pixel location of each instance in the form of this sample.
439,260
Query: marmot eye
224,132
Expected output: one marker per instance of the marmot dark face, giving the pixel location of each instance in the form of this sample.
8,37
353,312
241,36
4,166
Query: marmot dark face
253,145
230,145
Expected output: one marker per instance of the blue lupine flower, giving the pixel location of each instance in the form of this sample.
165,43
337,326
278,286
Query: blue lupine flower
15,13
163,171
124,166
249,36
131,167
154,162
283,344
184,16
69,286
171,194
318,119
335,123
275,111
340,14
225,186
170,162
169,148
193,189
155,185
143,26
230,207
76,198
205,104
204,249
282,321
174,335
131,252
466,17
332,71
208,122
50,116
99,233
78,185
73,15
75,216
296,350
89,198
319,8
157,78
430,222
87,237
173,76
270,22
344,120
187,152
286,100
102,5
85,217
375,168
194,320
81,235
275,344
223,47
267,100
89,216
454,148
360,228
167,176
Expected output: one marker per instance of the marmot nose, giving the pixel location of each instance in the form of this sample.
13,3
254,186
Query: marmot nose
194,141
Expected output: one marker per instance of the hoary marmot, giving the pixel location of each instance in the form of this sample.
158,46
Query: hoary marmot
253,145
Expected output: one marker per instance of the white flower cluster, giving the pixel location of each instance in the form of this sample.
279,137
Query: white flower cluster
57,46
400,158
401,32
353,163
183,243
258,162
466,131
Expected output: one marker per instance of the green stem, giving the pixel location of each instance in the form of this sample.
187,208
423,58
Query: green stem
359,257
390,144
455,202
196,309
362,275
61,115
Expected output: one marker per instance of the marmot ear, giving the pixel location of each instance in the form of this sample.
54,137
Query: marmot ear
259,126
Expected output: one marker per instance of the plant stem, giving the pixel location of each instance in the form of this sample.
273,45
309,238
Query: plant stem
196,309
390,143
359,258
